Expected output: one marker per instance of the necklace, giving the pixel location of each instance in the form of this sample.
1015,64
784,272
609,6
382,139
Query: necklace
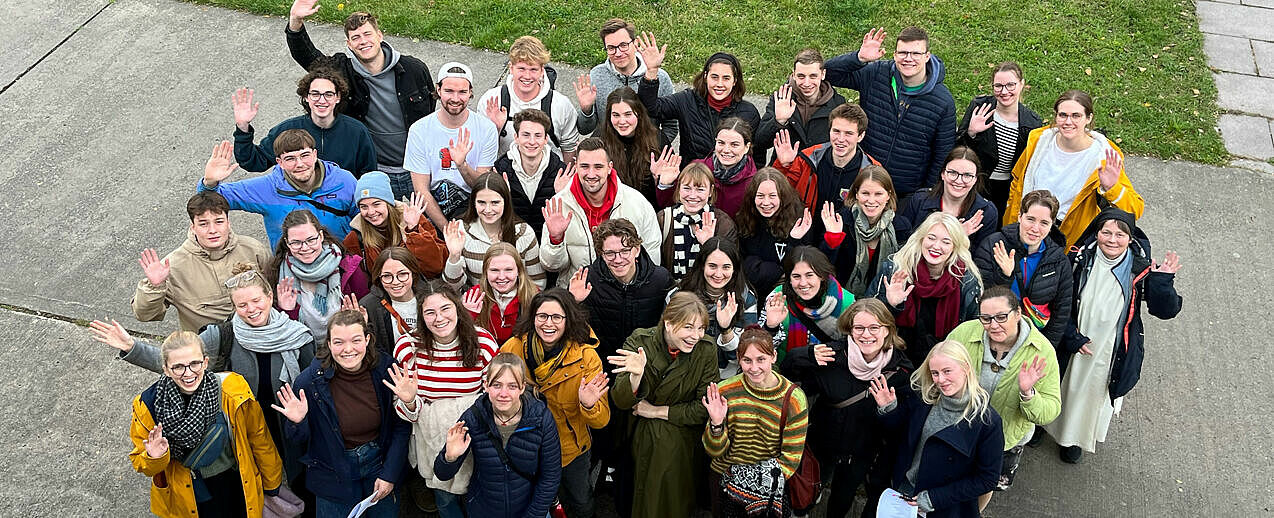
505,422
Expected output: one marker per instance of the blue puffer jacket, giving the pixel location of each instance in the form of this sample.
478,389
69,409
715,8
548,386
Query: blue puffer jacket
328,474
909,134
271,196
496,490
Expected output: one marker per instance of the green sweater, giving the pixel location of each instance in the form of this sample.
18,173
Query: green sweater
1018,416
752,426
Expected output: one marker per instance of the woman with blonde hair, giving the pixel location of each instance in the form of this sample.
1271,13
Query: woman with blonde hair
496,301
931,284
384,222
953,438
692,220
201,437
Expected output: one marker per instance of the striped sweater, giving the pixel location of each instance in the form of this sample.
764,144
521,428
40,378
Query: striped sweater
444,376
477,241
752,426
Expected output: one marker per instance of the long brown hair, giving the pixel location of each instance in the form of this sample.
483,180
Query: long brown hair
494,181
348,317
960,153
466,331
525,288
376,238
297,218
632,160
790,206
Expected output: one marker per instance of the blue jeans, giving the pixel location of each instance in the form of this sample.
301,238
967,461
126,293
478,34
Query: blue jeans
448,504
400,183
366,461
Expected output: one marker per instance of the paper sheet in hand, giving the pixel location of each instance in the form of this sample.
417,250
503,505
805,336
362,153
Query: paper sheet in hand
359,509
893,506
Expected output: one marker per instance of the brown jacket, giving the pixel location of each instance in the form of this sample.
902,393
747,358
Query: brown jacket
423,242
195,283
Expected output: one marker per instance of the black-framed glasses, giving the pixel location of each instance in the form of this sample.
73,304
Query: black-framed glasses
386,278
311,242
1007,87
903,54
954,175
242,278
611,49
999,318
180,369
550,317
315,95
611,255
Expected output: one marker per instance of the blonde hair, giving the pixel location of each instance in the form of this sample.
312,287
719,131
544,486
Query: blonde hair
696,174
508,362
685,307
394,233
257,280
922,381
179,340
959,264
528,49
525,288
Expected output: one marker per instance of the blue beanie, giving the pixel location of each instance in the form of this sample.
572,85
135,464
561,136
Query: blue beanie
374,184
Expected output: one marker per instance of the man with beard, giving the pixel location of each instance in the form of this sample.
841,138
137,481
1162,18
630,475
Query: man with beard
339,138
389,91
595,195
803,106
449,149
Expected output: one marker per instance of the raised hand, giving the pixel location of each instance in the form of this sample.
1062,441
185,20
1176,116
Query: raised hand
717,406
112,334
666,166
727,307
824,355
564,177
832,221
244,109
286,293
498,114
981,119
292,407
585,92
703,232
802,225
651,53
973,224
1171,264
403,384
302,9
634,363
155,443
784,149
457,441
350,301
220,165
156,271
1030,373
784,104
897,289
460,147
592,390
873,45
454,235
579,287
473,300
414,210
1005,259
1110,170
775,309
556,218
882,392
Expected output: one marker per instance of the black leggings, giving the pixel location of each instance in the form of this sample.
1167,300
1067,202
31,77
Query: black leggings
846,477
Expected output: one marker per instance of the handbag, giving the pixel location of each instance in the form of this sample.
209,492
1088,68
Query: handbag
758,487
1038,313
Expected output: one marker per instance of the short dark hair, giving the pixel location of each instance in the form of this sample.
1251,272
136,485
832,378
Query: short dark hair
1001,290
348,317
356,19
592,144
532,115
205,202
615,25
1043,198
850,112
292,140
338,81
618,227
914,33
809,56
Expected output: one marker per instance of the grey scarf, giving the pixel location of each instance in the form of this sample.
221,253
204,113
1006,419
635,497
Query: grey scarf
864,233
325,272
185,422
280,335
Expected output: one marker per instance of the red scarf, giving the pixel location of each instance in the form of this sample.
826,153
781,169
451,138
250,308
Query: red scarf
596,215
720,105
946,289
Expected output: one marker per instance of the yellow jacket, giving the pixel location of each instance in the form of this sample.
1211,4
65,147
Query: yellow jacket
559,383
1087,203
260,467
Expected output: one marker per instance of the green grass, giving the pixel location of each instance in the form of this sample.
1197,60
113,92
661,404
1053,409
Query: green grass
1141,59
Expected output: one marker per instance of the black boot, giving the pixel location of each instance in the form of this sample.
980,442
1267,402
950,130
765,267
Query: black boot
1071,454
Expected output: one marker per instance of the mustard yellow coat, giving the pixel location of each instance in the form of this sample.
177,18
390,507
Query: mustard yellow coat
559,383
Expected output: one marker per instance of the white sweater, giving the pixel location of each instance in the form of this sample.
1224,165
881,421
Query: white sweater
467,271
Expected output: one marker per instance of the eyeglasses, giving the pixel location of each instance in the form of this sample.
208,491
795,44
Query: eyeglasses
611,255
1075,116
291,159
241,278
1007,87
549,317
904,54
872,329
998,318
312,242
954,175
401,277
181,369
611,49
326,96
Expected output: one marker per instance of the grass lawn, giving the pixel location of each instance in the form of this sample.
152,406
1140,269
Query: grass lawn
1141,59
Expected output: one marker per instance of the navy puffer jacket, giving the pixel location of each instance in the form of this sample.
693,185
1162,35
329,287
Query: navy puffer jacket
909,134
497,490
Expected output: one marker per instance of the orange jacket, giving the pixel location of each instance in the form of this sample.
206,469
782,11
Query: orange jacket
559,383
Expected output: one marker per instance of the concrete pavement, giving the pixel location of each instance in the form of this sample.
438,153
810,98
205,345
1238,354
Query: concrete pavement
107,135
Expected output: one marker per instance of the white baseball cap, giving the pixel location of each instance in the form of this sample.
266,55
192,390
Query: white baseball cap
446,71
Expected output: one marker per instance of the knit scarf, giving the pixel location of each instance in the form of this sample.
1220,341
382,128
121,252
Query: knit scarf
863,369
725,174
864,233
945,288
186,422
830,308
324,271
279,335
685,246
596,215
717,106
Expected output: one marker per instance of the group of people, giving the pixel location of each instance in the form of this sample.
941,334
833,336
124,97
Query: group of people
523,303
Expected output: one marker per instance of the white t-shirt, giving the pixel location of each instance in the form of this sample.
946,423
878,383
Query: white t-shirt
407,310
1064,173
428,137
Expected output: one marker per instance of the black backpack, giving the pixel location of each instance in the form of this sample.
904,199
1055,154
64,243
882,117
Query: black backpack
546,104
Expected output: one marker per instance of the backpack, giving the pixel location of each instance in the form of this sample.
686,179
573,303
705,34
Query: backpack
546,104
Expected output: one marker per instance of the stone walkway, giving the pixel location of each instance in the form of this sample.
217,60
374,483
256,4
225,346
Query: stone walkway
1238,38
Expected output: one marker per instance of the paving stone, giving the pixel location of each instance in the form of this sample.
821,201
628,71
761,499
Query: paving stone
1244,93
1263,51
1236,20
1229,53
1268,4
1247,136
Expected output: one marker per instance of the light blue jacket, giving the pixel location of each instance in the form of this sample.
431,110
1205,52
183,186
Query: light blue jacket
271,196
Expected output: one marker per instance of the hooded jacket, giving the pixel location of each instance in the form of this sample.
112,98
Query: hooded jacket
1050,282
273,197
607,79
196,281
558,381
910,134
696,120
615,309
576,249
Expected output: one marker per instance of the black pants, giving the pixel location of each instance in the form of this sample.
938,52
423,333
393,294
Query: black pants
227,496
997,192
845,479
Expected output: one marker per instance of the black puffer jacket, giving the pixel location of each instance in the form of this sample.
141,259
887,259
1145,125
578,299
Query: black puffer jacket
526,205
697,121
616,309
909,134
415,84
806,132
985,144
1050,283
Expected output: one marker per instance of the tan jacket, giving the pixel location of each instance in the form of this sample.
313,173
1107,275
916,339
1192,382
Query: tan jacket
195,283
